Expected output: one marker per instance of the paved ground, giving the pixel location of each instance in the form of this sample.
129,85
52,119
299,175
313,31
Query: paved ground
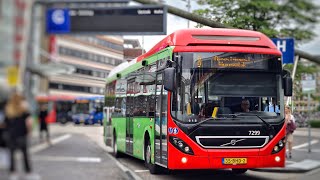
78,152
71,156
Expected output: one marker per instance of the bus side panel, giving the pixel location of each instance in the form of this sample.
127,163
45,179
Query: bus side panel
119,124
140,126
52,114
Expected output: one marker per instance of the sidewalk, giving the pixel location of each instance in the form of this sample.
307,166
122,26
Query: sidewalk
302,161
315,132
37,146
297,167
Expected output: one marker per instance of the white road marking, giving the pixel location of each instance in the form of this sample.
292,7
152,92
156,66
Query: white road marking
45,145
65,158
305,144
140,171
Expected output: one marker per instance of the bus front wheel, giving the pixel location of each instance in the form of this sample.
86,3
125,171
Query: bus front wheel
115,152
239,171
153,168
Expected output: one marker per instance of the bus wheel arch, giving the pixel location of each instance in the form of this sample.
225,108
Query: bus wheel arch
239,171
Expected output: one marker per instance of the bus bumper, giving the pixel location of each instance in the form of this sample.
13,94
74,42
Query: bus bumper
184,161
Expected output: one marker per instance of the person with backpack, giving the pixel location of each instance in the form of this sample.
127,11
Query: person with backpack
291,127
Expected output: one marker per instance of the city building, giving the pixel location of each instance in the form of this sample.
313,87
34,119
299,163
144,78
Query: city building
14,23
132,49
92,58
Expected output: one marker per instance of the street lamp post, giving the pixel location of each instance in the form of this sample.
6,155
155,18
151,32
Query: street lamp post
189,8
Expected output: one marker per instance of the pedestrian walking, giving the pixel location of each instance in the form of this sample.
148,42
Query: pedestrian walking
291,127
43,123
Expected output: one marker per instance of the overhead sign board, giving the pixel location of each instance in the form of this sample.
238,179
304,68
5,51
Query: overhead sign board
131,20
308,83
286,46
58,21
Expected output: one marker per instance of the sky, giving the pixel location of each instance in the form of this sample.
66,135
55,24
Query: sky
175,23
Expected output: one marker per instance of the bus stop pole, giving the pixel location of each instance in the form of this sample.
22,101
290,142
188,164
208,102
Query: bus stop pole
290,99
309,126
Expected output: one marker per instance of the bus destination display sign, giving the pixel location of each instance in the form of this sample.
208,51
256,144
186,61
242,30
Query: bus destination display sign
135,20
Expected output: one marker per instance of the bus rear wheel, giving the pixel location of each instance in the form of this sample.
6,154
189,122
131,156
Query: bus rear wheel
63,120
153,168
239,171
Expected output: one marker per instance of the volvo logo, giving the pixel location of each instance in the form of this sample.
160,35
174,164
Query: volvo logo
232,142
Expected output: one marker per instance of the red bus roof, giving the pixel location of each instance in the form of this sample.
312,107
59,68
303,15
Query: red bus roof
214,37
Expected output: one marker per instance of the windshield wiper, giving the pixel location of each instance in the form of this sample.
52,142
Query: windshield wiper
269,128
208,119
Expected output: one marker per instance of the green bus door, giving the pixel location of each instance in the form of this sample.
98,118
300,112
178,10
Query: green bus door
161,152
129,117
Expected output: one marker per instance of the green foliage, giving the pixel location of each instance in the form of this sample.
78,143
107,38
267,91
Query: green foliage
109,100
275,18
301,69
315,123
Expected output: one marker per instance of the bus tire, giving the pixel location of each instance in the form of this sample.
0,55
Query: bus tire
115,151
239,171
63,120
153,168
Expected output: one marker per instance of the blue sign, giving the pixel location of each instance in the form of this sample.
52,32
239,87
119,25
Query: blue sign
58,21
286,46
170,130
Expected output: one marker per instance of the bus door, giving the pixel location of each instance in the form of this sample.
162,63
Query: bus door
161,152
129,116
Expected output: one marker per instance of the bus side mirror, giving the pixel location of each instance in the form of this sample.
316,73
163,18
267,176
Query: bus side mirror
169,79
287,86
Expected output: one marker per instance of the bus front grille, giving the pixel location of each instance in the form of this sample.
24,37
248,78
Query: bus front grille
232,142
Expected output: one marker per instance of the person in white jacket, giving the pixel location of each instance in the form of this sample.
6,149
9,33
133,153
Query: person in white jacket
290,122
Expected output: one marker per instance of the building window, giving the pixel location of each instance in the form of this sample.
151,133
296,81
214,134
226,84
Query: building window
88,56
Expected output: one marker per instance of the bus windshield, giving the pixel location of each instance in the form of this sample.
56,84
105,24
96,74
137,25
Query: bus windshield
82,108
206,89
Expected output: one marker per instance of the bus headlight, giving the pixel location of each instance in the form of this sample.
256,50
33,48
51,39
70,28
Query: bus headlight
180,145
279,146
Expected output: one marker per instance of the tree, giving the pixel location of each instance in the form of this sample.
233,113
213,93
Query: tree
301,69
275,18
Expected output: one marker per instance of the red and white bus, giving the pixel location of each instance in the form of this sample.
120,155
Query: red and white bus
197,100
59,107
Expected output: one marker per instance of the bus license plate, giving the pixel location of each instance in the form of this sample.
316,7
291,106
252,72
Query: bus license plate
234,161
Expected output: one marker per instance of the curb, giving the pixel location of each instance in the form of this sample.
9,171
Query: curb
282,170
128,172
299,167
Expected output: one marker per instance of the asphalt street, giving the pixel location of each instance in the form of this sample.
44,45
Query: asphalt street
78,153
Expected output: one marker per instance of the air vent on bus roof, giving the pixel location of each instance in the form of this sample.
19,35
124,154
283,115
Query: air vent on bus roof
232,38
235,45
